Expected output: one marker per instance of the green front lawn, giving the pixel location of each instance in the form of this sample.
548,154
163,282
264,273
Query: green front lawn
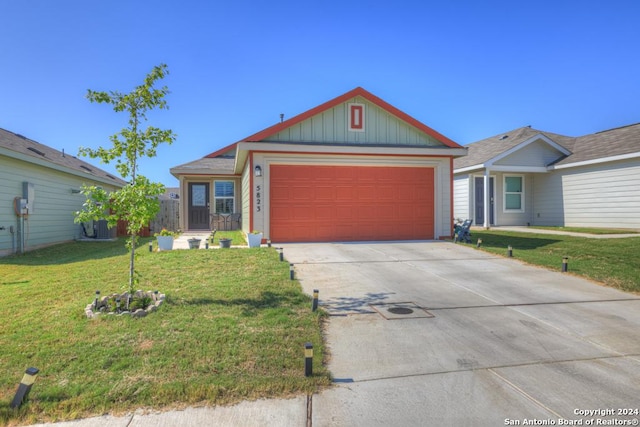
233,327
613,262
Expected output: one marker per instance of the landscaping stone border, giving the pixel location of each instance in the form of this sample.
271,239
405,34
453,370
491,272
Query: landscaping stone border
93,309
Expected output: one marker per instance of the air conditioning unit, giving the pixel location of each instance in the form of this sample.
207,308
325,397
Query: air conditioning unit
102,230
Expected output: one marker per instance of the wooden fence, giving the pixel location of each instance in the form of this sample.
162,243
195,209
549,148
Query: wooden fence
168,217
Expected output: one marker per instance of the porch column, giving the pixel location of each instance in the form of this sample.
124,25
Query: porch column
182,203
487,203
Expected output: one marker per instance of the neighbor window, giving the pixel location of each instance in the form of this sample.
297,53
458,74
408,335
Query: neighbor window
514,194
224,196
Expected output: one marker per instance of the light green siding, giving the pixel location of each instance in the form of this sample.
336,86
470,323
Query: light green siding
51,219
331,127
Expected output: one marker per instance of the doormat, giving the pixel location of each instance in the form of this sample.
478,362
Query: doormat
401,310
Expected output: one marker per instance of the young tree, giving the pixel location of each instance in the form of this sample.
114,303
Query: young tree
137,203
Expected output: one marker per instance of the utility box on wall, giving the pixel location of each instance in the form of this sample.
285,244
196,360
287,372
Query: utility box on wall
29,193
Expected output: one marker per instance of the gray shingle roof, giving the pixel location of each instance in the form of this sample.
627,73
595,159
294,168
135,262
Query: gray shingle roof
613,142
23,145
609,143
209,165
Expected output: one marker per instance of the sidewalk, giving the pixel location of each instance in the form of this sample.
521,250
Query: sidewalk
182,241
273,412
559,232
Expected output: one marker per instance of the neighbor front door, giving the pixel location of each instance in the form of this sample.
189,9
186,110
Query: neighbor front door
198,206
479,201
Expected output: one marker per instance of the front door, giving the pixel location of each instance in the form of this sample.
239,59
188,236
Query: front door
198,206
479,201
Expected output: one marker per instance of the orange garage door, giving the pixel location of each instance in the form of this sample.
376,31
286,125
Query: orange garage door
343,203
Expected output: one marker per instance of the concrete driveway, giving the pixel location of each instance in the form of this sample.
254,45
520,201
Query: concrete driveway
437,334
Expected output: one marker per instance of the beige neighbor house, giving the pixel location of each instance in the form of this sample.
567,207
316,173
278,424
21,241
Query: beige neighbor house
353,168
531,177
40,192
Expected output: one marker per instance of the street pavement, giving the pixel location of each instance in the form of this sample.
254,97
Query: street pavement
438,334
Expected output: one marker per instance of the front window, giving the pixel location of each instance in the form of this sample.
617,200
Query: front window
514,194
224,196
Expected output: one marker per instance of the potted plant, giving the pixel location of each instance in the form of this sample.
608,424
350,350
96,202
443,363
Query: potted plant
255,239
194,243
224,242
165,239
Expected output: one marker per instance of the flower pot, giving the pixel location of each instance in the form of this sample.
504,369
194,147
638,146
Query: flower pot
225,243
255,240
165,243
194,243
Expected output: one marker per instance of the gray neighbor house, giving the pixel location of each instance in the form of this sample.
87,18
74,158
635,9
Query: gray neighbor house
40,192
532,177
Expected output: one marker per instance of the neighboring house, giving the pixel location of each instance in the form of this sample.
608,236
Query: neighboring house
531,177
49,182
353,168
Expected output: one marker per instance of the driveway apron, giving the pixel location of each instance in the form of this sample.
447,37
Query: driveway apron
432,333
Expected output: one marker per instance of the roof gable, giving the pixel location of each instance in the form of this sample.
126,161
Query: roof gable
537,151
377,127
609,145
333,111
504,147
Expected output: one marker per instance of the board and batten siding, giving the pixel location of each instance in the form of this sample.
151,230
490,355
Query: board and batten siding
606,195
54,205
330,126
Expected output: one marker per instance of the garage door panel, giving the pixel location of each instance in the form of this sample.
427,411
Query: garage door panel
366,192
344,213
344,193
324,192
342,203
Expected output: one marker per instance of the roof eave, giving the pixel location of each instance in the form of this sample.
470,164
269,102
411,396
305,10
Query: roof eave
53,166
596,161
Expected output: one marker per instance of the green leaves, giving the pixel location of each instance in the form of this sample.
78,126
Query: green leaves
132,142
136,203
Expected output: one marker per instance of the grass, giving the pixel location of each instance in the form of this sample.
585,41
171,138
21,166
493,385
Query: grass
233,327
590,230
613,262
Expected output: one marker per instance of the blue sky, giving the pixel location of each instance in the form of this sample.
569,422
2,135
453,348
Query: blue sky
468,69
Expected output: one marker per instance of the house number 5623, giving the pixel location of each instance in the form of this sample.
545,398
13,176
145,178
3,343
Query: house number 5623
258,198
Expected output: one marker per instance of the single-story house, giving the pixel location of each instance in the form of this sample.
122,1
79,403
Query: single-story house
530,177
40,192
353,168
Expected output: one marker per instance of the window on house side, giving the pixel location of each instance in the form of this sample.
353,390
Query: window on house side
513,194
224,196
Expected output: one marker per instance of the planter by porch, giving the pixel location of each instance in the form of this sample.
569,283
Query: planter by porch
225,243
255,240
194,243
165,243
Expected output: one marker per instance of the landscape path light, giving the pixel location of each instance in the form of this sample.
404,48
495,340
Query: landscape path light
308,359
24,388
